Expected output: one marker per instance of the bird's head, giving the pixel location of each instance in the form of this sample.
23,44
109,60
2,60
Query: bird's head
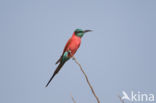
80,32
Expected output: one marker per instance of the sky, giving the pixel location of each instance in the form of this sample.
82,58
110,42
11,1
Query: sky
119,55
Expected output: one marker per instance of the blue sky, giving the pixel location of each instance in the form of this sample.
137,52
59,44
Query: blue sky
118,55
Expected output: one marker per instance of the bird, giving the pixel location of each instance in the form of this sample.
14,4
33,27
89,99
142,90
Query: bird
70,49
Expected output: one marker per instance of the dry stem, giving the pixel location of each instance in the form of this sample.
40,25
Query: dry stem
98,101
73,99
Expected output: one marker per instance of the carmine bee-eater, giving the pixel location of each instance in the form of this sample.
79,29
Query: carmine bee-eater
69,50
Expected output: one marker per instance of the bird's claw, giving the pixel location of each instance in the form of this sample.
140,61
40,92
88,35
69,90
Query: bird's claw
69,51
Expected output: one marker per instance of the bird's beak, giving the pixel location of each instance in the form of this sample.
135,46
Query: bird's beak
85,31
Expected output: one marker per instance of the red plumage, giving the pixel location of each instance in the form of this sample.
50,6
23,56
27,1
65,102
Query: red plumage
72,45
69,50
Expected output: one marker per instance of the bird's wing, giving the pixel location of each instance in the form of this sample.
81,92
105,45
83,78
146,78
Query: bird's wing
65,48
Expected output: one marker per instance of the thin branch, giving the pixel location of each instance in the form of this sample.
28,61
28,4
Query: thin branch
98,101
73,99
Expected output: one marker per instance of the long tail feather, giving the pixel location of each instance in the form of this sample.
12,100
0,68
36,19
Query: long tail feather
58,60
55,72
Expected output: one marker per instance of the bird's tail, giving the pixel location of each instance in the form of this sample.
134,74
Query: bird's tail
55,72
58,60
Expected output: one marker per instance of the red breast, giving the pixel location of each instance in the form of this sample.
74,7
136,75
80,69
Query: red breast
74,44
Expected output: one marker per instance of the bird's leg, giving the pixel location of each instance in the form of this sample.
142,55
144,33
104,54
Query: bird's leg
69,52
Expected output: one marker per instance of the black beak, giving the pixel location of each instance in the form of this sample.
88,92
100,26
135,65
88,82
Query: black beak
85,31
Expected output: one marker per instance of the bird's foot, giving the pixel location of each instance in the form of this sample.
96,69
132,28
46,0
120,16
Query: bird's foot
69,52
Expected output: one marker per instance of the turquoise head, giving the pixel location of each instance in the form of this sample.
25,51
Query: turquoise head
80,32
